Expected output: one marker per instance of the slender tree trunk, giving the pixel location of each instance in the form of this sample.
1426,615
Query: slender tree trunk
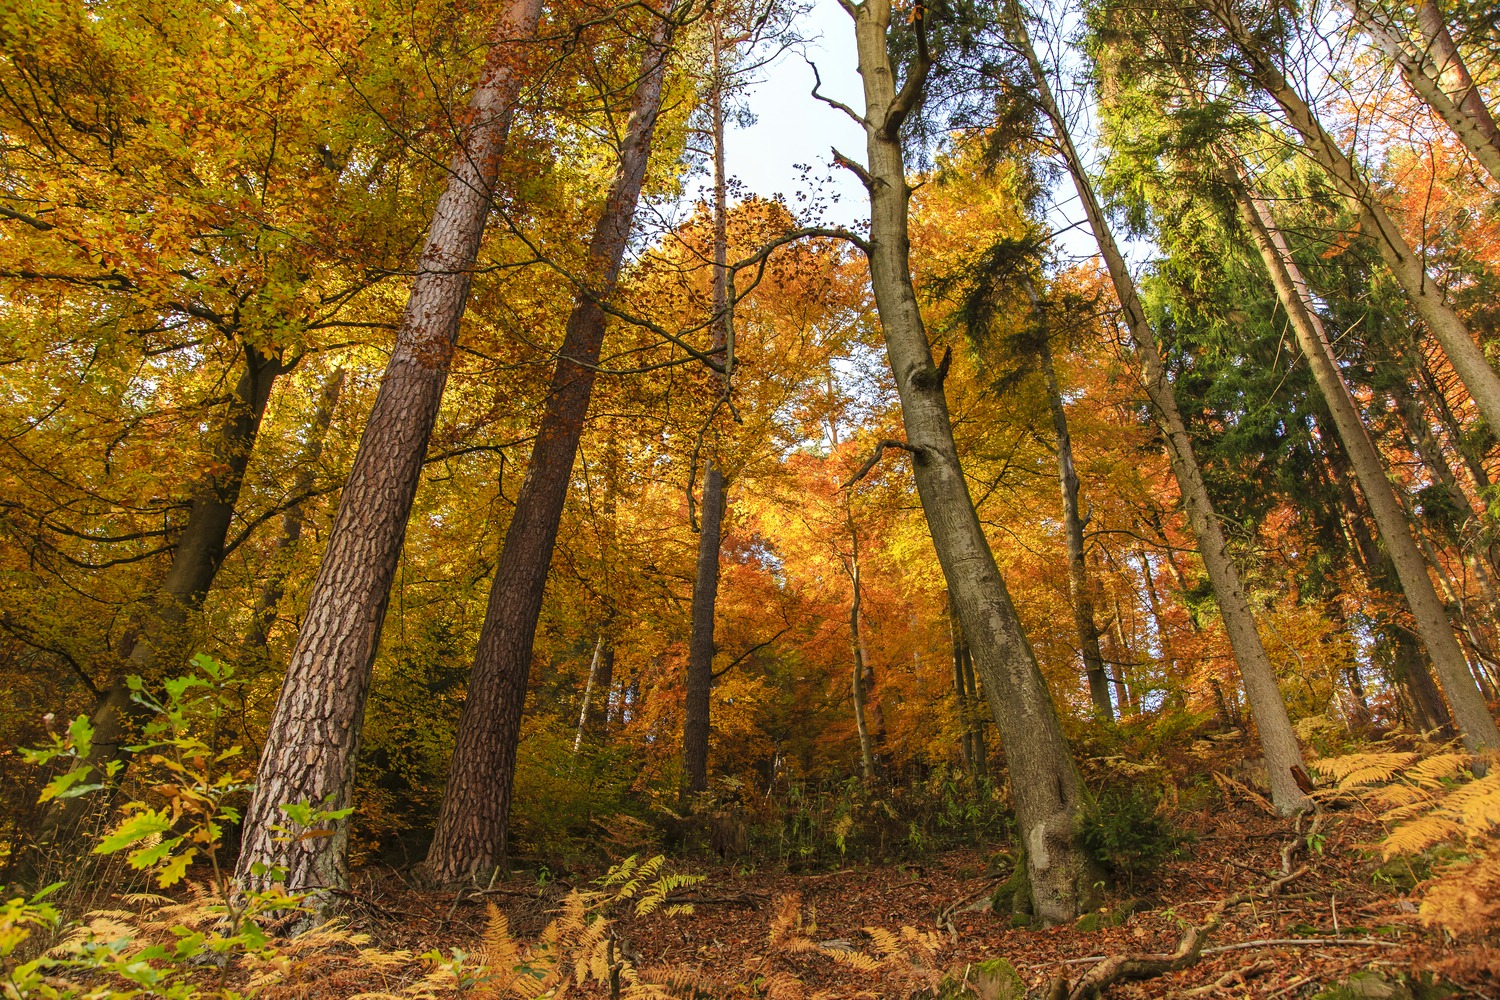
1045,783
1078,580
1278,742
857,643
264,614
588,692
162,636
1468,361
1437,74
1475,724
601,711
961,687
696,723
1148,576
472,822
314,732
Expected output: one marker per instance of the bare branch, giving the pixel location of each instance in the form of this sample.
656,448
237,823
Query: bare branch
874,459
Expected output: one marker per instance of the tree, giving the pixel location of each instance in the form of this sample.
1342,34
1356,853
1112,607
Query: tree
310,754
472,822
1279,743
1044,779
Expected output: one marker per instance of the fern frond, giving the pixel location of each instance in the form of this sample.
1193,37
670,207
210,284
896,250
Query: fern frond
886,942
1431,772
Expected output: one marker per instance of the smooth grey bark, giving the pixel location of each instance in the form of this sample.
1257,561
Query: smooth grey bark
1079,587
1426,297
1045,783
1475,724
473,821
314,732
263,616
584,714
1278,741
1436,72
697,707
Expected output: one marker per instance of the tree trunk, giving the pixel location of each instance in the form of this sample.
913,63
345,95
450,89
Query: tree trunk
857,643
314,732
1045,783
1078,580
1476,726
1278,742
696,721
961,687
588,692
264,614
471,824
1463,353
1437,74
161,635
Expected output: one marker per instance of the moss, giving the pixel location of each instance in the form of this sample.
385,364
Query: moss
1098,920
997,979
1013,896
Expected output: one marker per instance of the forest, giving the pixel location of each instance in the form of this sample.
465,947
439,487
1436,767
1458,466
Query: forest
461,538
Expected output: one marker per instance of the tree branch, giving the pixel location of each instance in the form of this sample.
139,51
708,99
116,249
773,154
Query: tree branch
874,459
916,79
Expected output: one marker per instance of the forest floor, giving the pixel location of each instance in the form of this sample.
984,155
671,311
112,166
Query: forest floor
1338,918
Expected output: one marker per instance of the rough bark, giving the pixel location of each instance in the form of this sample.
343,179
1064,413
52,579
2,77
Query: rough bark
313,737
1278,742
1476,726
1425,295
1045,783
161,636
471,824
696,720
264,614
1078,580
1436,73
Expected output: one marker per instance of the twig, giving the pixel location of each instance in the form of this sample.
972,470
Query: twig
870,463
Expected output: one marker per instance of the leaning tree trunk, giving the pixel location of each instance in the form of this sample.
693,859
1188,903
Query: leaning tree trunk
471,824
1476,726
1437,74
1278,742
1045,784
264,614
700,665
313,738
1425,295
1078,578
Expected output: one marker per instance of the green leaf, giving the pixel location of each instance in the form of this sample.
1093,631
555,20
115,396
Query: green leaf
133,830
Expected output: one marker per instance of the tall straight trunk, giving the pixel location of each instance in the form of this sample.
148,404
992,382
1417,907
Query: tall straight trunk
1435,401
600,710
161,636
857,644
696,722
1045,782
1078,579
471,824
1476,726
1153,601
264,614
1436,72
1278,742
1468,361
960,687
313,739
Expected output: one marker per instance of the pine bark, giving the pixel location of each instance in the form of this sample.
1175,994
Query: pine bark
1045,783
1425,295
1078,580
1475,724
1436,72
472,821
1278,742
314,733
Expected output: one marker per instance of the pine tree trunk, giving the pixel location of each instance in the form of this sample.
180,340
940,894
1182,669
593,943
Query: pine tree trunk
696,722
1078,580
162,634
264,614
314,733
1426,296
1476,726
1278,742
1437,74
472,822
1045,783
